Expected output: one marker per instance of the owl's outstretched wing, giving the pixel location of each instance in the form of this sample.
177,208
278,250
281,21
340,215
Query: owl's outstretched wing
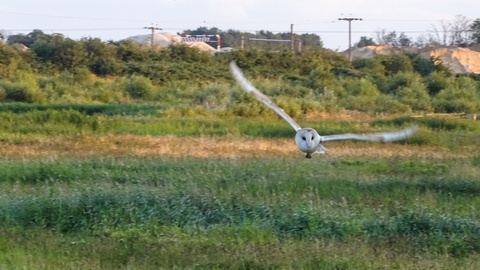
374,137
248,87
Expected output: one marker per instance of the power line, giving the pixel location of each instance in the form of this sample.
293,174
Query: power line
238,22
70,17
75,29
240,30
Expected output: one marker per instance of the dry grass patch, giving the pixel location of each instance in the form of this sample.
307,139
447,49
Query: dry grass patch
210,147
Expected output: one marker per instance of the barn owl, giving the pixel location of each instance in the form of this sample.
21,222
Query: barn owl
307,139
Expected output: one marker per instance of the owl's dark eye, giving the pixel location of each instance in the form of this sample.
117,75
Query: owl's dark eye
312,138
303,138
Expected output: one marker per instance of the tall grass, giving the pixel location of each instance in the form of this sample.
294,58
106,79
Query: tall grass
119,210
63,120
136,206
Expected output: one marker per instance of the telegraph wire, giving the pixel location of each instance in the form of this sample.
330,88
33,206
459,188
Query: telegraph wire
240,30
210,22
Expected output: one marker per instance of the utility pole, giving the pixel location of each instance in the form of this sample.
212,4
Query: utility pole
292,40
153,32
350,34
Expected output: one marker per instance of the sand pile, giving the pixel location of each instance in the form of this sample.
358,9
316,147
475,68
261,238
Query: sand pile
164,39
459,60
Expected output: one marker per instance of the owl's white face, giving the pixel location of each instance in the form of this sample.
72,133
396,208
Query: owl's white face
307,140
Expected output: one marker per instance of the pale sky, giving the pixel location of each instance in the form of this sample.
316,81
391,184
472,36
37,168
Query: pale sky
109,19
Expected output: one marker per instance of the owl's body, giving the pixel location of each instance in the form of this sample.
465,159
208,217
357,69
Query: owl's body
308,141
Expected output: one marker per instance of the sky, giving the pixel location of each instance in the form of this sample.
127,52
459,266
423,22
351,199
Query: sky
119,19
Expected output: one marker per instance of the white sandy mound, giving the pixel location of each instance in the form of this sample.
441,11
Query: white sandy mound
165,39
459,60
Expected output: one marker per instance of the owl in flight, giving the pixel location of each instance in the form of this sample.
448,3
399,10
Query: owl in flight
307,139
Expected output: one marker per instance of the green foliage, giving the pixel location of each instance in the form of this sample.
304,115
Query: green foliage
416,96
214,96
362,87
62,53
396,63
102,58
92,71
458,97
257,201
9,60
361,95
425,67
475,28
434,123
388,104
25,90
32,37
139,87
436,82
402,79
369,66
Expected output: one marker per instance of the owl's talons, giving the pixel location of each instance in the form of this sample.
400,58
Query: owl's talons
308,155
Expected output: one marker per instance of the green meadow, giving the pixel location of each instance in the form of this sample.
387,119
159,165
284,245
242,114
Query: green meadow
360,209
119,156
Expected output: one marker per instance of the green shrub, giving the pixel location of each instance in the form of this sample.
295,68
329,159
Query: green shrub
369,66
289,105
455,106
458,97
416,96
362,87
359,103
402,79
23,93
396,63
436,82
139,87
83,76
212,96
387,104
3,93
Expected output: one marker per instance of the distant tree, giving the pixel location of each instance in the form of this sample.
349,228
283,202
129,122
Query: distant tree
475,31
30,38
9,59
4,35
396,63
436,82
364,41
63,53
459,96
101,57
312,40
454,33
403,41
391,38
425,66
424,40
415,95
232,38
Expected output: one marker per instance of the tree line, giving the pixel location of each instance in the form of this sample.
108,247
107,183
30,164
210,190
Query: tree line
460,32
58,69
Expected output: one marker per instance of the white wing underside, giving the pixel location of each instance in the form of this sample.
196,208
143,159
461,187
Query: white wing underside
374,137
245,84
